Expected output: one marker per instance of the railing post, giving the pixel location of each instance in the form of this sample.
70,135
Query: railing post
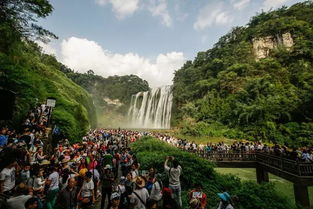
301,195
261,174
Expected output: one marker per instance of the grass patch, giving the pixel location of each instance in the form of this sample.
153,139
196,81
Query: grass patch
281,185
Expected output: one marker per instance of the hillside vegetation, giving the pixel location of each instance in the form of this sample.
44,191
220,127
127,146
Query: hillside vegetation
34,76
227,91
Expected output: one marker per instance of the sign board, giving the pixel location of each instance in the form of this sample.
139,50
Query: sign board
51,102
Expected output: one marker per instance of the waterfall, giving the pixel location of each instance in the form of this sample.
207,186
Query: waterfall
151,109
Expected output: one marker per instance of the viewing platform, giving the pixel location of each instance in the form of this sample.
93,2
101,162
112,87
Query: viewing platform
299,173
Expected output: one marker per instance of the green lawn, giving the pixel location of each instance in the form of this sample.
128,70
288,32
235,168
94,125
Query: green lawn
282,186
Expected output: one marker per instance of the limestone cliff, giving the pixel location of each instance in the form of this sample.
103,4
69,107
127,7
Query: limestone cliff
263,45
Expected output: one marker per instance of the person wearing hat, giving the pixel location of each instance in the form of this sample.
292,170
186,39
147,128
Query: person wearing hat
115,200
225,202
107,183
140,195
121,189
197,194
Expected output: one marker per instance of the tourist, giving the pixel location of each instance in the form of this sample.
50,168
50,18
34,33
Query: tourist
31,203
168,201
198,194
121,190
107,183
154,181
67,198
174,178
225,201
140,195
114,201
7,177
86,194
53,183
22,195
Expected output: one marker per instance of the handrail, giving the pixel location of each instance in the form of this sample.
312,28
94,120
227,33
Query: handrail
287,165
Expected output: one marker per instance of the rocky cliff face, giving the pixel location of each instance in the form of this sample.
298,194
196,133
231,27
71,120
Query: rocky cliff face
263,45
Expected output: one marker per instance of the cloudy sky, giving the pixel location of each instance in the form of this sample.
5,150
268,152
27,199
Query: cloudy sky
148,38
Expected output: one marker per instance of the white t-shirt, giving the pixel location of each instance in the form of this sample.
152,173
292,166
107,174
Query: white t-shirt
143,194
18,202
87,188
174,174
156,193
7,175
54,177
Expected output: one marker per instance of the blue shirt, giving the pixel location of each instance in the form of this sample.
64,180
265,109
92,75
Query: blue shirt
3,140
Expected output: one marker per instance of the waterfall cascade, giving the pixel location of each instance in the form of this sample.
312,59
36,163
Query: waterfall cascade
151,109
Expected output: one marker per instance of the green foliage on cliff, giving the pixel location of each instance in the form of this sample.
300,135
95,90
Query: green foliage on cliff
226,88
34,77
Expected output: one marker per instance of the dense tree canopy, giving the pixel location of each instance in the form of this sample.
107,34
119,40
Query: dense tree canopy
18,20
267,99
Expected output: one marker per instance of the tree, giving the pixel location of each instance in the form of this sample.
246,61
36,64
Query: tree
18,21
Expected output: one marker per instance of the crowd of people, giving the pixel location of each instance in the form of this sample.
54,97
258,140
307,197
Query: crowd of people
102,168
304,154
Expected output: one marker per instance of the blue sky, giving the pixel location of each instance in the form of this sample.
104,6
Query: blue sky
149,38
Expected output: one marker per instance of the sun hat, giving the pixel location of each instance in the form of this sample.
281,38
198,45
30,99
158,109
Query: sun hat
115,195
194,203
122,179
107,167
224,196
140,182
45,162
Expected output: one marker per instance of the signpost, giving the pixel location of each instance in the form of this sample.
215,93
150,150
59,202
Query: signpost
51,101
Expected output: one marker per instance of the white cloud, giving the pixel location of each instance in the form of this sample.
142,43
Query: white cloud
210,15
269,4
159,8
47,48
82,55
121,8
240,4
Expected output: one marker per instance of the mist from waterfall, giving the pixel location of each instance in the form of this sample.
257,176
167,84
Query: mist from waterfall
151,109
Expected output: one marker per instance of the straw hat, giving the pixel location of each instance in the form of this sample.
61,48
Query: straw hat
140,182
45,162
194,203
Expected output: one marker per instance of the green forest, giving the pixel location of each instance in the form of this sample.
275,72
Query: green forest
227,91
